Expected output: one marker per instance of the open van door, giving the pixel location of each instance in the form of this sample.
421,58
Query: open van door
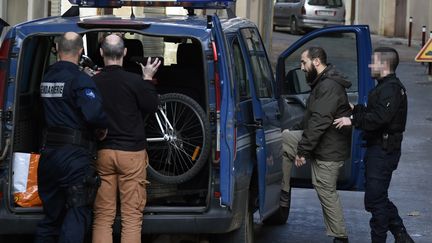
348,48
265,121
226,127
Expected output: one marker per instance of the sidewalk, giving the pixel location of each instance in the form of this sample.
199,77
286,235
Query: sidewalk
400,44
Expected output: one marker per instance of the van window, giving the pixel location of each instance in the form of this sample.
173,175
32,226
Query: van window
332,3
344,57
240,71
260,65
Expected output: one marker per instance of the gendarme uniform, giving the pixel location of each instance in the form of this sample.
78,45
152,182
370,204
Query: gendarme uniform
72,110
383,122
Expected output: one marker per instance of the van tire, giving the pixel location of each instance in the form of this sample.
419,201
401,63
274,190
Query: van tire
295,30
166,156
244,234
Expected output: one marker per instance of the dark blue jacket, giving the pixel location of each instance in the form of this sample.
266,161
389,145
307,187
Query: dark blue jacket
71,99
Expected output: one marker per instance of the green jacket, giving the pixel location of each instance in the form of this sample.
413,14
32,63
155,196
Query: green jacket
327,101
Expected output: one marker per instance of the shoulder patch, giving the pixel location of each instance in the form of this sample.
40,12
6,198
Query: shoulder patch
89,93
51,90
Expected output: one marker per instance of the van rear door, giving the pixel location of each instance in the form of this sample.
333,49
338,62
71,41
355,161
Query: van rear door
227,130
348,48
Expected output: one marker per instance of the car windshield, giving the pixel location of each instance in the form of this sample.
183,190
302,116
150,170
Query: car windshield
331,3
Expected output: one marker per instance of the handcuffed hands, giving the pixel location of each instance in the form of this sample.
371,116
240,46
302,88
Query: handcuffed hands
300,161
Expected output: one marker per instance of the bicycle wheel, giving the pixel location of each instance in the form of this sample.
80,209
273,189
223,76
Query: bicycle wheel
180,151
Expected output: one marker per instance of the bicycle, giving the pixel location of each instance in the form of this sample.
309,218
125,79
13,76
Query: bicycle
178,137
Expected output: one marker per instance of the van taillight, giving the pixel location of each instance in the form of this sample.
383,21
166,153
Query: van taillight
4,57
303,10
218,102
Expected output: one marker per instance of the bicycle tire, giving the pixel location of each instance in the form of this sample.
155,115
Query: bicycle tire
181,157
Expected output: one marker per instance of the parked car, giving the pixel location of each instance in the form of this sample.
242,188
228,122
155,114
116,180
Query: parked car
302,14
226,130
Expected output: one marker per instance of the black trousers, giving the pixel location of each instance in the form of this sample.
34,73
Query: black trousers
59,169
379,169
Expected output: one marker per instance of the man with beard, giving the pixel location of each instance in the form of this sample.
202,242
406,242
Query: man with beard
383,122
318,141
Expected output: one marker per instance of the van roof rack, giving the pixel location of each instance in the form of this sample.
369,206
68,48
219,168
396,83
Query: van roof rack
197,4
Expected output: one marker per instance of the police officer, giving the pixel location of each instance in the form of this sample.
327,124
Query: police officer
383,122
66,180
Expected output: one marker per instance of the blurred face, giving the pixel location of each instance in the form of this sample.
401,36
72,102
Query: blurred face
307,66
377,66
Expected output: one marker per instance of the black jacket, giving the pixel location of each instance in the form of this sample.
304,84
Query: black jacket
127,98
386,111
328,100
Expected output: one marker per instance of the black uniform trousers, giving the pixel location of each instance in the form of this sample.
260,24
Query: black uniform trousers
379,169
60,168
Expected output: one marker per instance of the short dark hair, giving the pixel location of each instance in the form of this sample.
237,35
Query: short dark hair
113,50
317,52
69,46
388,55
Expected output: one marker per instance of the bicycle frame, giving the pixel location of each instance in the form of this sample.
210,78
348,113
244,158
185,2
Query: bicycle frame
166,128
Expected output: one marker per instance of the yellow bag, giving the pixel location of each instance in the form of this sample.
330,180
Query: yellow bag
25,180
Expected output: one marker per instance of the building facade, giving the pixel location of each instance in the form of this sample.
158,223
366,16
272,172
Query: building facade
391,17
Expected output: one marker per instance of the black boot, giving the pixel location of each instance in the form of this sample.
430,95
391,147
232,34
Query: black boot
340,240
403,237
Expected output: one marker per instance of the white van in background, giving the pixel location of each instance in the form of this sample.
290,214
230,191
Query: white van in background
302,14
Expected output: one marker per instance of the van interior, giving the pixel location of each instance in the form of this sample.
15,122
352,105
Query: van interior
182,71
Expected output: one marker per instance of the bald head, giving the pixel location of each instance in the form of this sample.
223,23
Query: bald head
70,43
113,48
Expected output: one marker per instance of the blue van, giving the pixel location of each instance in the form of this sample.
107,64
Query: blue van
215,149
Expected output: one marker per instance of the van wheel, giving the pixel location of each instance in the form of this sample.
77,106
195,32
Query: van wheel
281,215
244,234
294,26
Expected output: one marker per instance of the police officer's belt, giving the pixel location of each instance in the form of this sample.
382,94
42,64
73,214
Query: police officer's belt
65,135
388,141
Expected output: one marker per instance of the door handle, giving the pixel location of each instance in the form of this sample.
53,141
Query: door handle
258,124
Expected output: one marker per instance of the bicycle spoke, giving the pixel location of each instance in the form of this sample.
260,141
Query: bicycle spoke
181,156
